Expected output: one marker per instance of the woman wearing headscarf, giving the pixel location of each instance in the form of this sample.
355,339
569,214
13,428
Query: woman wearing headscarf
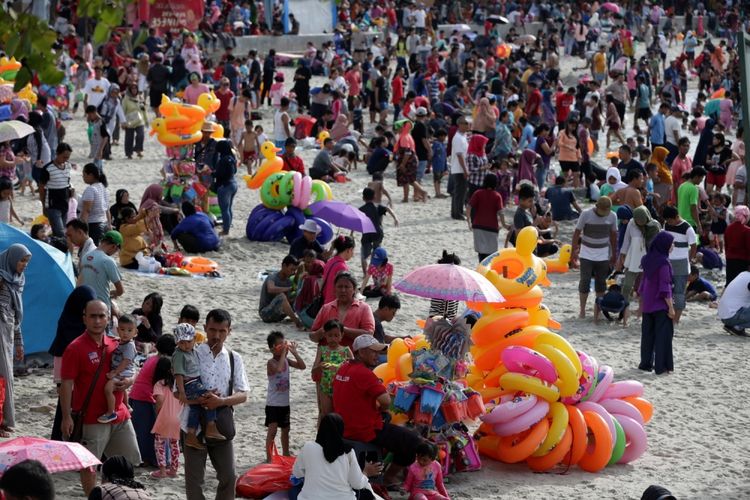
118,482
69,327
705,142
476,163
226,184
639,234
548,109
13,262
657,327
737,243
406,163
526,165
340,127
329,465
664,187
301,88
160,215
134,108
614,183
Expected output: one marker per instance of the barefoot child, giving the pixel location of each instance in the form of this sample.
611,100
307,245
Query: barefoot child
327,361
376,184
424,478
166,428
249,146
277,397
190,388
7,212
122,364
700,289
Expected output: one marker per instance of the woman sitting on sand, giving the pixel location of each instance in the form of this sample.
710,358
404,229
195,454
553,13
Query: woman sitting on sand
357,315
160,215
344,248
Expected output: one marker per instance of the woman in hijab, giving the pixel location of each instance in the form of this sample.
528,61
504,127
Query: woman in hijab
737,242
13,262
639,234
406,162
526,164
664,187
69,326
340,127
705,142
118,481
614,183
657,327
484,119
122,200
226,184
162,216
329,465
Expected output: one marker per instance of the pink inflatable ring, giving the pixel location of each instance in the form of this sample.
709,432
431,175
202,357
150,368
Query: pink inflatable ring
525,421
508,410
520,359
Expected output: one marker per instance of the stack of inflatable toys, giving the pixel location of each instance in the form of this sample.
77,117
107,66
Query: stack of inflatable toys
25,97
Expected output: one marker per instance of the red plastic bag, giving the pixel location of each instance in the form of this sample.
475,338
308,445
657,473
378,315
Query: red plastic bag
264,479
2,399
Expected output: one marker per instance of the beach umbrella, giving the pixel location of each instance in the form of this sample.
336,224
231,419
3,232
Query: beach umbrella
14,129
449,282
612,7
56,456
342,215
495,19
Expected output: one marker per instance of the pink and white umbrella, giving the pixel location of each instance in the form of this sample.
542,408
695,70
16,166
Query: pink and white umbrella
56,456
612,7
449,282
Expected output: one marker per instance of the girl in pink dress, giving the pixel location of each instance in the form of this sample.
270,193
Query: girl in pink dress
424,478
166,429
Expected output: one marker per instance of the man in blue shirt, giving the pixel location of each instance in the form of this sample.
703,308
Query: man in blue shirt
527,134
561,200
656,127
195,232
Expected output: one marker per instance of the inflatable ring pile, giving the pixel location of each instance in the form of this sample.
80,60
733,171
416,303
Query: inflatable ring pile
265,224
180,124
548,404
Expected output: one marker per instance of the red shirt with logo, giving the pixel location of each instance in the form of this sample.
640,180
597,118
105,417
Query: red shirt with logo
355,392
79,363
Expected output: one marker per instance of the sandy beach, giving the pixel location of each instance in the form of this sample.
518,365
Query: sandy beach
698,438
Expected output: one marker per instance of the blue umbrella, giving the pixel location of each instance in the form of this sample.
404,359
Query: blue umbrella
343,215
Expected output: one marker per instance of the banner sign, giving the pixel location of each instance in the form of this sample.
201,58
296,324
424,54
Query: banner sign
176,15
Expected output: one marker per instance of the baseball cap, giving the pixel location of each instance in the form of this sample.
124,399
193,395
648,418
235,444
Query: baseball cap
113,237
421,111
184,331
379,256
367,342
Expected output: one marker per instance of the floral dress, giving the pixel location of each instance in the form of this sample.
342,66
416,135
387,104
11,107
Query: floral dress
407,173
331,359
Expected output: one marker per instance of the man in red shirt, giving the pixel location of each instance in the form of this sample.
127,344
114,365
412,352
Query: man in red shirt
359,397
225,95
79,365
292,162
534,104
563,102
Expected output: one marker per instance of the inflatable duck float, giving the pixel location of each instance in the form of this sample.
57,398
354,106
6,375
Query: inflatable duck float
170,137
560,263
271,165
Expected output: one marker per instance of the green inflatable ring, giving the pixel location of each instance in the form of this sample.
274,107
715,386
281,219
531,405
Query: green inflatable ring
619,450
286,188
269,192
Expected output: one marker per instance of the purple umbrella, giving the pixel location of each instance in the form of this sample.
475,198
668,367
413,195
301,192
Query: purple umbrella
449,282
343,215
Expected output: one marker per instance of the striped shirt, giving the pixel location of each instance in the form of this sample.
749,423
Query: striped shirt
99,197
596,232
446,308
684,237
56,180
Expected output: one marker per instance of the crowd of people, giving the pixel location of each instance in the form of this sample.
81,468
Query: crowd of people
488,117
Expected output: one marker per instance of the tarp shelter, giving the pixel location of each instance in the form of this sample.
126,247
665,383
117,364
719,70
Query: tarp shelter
49,281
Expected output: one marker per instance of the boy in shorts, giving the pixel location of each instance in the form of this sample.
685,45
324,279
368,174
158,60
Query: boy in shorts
439,161
187,376
371,241
123,366
277,397
249,146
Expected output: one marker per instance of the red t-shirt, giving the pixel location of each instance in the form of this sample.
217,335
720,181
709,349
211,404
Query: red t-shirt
485,204
225,98
79,363
563,102
397,86
293,164
737,241
534,104
355,392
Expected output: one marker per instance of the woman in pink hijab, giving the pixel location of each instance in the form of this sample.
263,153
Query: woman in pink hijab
406,163
526,164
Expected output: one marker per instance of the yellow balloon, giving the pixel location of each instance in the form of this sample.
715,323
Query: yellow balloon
395,351
384,372
404,367
322,137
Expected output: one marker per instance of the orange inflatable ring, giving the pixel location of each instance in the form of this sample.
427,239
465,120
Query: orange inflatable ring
488,446
199,265
555,456
488,357
493,378
646,408
597,455
519,447
493,393
494,326
577,425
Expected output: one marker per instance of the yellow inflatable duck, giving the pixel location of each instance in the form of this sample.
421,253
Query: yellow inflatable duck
561,263
9,69
27,93
170,138
271,164
515,271
209,102
170,108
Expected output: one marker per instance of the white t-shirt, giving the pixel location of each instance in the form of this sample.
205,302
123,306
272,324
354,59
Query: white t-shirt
460,145
671,125
419,18
332,481
98,195
735,297
279,134
96,91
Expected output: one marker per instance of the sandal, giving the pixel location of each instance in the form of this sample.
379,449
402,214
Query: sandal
157,474
4,433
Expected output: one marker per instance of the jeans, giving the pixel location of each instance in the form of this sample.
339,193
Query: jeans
458,196
421,167
226,194
741,318
657,330
57,221
541,177
194,389
134,134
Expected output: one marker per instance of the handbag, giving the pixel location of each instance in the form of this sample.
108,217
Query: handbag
79,415
225,414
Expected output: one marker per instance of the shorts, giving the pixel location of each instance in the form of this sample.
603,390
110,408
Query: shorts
437,174
679,289
690,55
278,415
613,126
599,270
570,165
632,93
112,440
368,245
249,156
599,77
273,312
643,113
717,180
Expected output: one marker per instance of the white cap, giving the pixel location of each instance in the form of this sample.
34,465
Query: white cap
367,342
184,331
421,111
310,226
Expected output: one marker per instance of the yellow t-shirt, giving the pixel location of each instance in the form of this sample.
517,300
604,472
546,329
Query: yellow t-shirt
600,63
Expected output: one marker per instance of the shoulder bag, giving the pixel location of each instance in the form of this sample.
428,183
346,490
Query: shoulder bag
79,415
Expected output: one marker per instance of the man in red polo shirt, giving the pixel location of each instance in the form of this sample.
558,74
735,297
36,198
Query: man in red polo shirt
359,396
79,365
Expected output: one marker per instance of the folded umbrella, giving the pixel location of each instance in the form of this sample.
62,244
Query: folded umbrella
343,215
14,129
449,282
495,19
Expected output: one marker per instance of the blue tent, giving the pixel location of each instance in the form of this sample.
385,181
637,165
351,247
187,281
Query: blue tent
49,281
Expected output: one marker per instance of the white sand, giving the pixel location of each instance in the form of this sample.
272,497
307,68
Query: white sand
698,441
